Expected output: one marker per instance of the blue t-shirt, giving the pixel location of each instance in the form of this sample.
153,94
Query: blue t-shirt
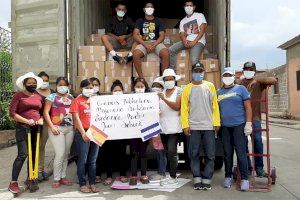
231,104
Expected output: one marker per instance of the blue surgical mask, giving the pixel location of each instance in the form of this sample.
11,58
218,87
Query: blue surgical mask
198,77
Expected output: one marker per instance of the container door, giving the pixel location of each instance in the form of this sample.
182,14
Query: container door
39,37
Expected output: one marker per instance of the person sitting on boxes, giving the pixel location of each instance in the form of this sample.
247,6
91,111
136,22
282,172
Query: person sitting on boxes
118,34
149,33
192,30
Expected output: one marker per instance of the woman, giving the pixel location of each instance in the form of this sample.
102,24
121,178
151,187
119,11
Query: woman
26,109
87,151
61,134
115,148
169,104
236,117
157,85
96,83
44,91
137,146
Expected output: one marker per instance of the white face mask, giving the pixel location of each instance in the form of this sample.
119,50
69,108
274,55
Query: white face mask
156,89
62,89
139,90
120,13
189,10
45,85
249,74
117,93
96,89
149,11
169,85
88,92
228,80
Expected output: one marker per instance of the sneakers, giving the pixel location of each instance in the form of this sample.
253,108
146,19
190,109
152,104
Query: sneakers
206,186
261,173
227,183
118,58
14,188
168,181
245,185
198,186
128,58
156,177
43,176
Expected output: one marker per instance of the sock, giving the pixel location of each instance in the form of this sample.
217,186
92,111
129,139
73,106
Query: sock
130,54
112,53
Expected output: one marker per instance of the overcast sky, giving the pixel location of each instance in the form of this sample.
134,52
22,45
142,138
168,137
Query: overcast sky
258,28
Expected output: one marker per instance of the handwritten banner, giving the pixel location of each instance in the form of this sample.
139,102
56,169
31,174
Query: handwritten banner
126,116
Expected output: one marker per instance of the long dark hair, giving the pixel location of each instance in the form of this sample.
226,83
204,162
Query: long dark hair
42,73
85,83
62,78
115,84
142,80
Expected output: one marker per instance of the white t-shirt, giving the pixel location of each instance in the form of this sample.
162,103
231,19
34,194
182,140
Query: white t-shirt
191,26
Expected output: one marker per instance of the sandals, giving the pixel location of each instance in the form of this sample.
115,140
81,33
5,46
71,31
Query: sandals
133,180
56,184
94,189
123,179
66,182
144,179
98,179
85,189
108,181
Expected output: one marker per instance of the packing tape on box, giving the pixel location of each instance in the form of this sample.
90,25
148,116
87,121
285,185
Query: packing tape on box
183,53
174,31
91,49
92,58
212,66
106,79
92,38
79,57
83,64
85,72
112,65
113,73
123,72
97,65
103,58
181,65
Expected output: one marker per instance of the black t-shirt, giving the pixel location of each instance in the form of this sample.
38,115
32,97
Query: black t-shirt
118,28
149,29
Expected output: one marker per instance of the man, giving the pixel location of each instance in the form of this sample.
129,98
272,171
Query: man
149,33
200,118
118,34
192,30
256,86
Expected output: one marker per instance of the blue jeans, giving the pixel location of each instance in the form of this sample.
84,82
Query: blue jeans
170,149
207,139
234,138
87,156
258,146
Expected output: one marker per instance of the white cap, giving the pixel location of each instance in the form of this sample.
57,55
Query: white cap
158,80
170,72
228,70
20,80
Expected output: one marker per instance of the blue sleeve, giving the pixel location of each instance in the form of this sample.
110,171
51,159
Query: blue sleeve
139,24
51,97
244,93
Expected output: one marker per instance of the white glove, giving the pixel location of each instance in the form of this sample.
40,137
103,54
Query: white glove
248,128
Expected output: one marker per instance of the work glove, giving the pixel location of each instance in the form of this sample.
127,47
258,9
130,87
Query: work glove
248,128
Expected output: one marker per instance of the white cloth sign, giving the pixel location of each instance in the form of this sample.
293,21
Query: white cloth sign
126,116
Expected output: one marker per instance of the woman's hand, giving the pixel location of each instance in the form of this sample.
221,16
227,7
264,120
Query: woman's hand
40,122
31,122
55,130
85,137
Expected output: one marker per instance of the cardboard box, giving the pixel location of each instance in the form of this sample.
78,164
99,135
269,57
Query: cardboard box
94,40
150,69
91,69
211,65
215,78
81,78
126,81
151,57
183,55
91,53
114,69
101,31
182,65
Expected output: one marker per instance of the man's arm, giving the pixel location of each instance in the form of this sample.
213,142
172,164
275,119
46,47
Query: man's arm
137,37
160,39
266,80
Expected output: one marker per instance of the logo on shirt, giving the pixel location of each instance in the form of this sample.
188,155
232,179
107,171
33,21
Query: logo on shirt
226,96
191,27
148,31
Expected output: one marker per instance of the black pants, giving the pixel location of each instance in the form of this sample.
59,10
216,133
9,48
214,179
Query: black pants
138,150
112,155
22,145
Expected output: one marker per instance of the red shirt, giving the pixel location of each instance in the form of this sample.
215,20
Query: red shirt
81,106
29,107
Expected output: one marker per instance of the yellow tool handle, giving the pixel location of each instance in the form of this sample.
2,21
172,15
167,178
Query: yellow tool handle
30,172
37,154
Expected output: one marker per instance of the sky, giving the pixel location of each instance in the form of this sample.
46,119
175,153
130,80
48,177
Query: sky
258,27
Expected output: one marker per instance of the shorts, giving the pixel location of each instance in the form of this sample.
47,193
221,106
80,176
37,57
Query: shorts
157,49
117,45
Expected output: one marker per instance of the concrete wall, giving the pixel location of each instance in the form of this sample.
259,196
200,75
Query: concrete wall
278,103
293,62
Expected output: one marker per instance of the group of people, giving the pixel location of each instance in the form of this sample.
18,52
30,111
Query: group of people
147,36
198,110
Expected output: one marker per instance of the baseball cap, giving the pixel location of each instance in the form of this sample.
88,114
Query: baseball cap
250,64
198,65
228,70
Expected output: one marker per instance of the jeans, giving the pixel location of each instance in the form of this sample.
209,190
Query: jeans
170,149
22,145
194,53
87,155
207,139
138,149
62,144
258,146
234,138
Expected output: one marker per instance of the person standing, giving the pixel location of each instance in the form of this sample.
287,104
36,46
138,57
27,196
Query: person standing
200,118
61,134
44,91
87,150
169,104
26,109
236,120
256,86
192,30
118,34
149,33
